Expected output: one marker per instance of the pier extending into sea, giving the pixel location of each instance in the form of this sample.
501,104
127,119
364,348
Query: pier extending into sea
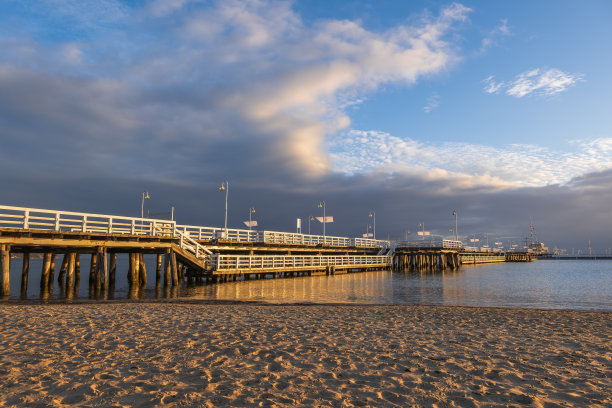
196,253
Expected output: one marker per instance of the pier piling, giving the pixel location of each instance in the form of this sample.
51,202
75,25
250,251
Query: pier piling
5,266
25,270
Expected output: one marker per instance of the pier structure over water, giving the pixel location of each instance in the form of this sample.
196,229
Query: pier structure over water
182,251
438,255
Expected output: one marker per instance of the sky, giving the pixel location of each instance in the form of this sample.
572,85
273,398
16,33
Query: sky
411,109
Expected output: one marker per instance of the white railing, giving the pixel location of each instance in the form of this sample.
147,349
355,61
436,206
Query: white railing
192,246
253,262
36,218
438,243
33,218
208,233
468,258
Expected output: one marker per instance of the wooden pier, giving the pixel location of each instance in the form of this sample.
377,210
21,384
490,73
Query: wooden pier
438,255
182,252
520,256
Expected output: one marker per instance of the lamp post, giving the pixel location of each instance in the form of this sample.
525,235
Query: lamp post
310,218
145,196
251,211
456,232
373,216
322,205
225,187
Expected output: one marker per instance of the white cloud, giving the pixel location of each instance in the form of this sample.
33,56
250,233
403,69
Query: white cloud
536,82
432,103
494,36
491,86
508,166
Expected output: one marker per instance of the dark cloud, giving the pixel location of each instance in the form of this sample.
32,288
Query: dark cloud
178,115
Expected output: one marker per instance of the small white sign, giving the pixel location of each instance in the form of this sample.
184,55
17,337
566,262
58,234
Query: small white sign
423,233
328,219
370,235
250,223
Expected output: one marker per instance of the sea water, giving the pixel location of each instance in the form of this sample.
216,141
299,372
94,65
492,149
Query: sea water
548,284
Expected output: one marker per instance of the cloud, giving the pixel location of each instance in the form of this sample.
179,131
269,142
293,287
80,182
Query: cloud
468,164
494,36
432,103
536,82
491,86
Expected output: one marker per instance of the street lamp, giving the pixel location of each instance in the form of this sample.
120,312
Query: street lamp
251,212
373,216
310,218
322,205
456,231
145,196
225,187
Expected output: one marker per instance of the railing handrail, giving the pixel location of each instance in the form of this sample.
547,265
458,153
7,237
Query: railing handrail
226,261
139,225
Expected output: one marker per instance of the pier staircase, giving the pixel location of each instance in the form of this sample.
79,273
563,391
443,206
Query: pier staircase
190,252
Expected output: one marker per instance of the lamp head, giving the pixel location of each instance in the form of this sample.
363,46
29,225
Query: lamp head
320,205
371,215
146,195
222,188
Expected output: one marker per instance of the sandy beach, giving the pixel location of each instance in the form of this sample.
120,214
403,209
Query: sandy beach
181,354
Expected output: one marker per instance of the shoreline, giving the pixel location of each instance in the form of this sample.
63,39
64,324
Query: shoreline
191,354
212,302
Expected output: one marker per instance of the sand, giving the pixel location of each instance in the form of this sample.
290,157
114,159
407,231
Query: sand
177,354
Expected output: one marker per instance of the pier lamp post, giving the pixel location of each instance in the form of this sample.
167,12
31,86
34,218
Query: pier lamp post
145,196
225,187
251,212
322,205
373,216
310,218
456,231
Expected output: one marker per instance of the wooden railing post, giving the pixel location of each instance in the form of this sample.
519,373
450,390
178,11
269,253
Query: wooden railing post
26,219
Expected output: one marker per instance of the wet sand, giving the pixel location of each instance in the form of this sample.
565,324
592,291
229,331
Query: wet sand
181,354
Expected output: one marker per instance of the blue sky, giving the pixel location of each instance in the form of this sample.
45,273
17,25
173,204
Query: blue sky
479,106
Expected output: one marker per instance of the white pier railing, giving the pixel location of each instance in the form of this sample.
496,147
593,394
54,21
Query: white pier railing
254,262
435,243
35,218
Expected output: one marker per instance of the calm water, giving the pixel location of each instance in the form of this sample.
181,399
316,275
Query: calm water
541,284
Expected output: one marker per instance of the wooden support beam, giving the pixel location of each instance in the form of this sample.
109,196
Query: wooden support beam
112,271
136,276
63,268
101,269
25,270
143,270
77,270
175,280
131,269
44,274
51,271
158,269
92,270
167,267
70,271
5,267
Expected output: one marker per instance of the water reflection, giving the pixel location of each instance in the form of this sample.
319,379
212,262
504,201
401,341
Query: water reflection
542,284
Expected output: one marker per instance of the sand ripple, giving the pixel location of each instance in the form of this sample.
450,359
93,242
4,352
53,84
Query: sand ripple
154,354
